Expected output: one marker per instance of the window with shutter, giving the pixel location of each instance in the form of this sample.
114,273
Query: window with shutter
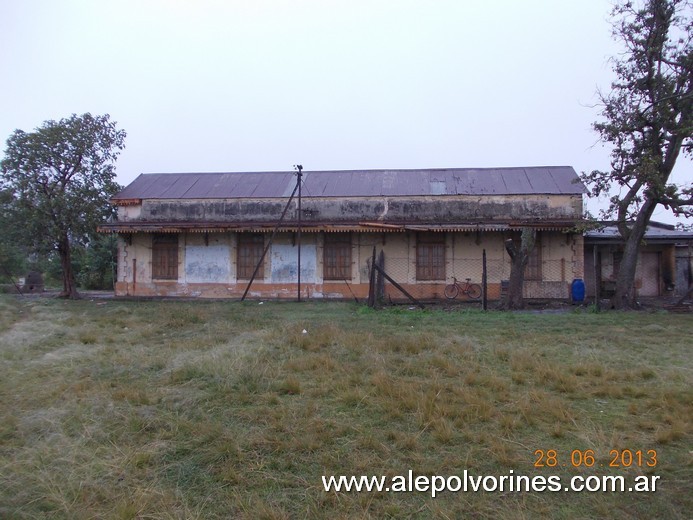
165,257
337,256
250,248
430,256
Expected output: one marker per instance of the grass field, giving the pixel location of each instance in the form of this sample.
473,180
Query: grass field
117,409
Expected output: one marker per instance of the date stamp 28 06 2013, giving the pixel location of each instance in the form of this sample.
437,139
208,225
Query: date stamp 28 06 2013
623,458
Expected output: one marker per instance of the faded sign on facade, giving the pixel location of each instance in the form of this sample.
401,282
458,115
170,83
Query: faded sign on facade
207,263
285,263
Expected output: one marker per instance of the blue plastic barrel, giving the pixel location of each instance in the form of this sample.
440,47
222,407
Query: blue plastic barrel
577,290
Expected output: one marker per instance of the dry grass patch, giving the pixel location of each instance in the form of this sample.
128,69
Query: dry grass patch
227,410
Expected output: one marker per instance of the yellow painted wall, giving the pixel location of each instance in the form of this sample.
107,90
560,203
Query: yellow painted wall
200,276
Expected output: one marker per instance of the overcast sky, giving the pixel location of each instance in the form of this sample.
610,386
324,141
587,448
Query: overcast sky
260,85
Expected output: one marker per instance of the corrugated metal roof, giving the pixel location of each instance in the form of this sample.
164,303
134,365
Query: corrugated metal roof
656,231
552,180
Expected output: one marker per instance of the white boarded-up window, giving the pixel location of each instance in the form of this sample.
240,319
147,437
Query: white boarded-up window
207,264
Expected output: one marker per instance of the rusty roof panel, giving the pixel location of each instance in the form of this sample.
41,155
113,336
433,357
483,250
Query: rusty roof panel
515,181
177,188
542,179
556,180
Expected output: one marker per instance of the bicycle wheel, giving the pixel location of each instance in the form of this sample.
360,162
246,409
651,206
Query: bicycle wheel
474,291
451,291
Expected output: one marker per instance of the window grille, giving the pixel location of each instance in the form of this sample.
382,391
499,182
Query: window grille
165,257
430,256
250,248
337,256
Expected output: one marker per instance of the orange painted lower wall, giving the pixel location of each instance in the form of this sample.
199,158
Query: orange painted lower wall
326,291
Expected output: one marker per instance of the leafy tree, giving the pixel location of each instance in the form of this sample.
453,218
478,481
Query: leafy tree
62,177
648,119
12,255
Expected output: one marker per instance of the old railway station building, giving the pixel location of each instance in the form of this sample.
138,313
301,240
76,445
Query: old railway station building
204,234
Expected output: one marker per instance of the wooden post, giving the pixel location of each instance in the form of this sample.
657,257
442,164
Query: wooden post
379,280
484,284
371,282
597,277
400,288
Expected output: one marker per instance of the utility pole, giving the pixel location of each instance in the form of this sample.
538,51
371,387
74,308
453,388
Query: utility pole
299,173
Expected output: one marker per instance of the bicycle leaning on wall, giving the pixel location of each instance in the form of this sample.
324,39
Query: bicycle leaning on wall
471,290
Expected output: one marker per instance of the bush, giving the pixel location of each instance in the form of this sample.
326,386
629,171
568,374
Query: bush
97,263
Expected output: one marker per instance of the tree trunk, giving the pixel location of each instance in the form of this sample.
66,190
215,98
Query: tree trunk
519,255
624,295
69,282
514,297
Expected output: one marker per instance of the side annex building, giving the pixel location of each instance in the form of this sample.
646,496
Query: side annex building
203,234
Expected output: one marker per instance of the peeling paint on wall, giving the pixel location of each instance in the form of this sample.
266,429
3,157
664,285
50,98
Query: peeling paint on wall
284,261
207,263
429,209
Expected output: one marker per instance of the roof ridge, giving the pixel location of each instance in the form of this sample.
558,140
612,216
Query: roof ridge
364,170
